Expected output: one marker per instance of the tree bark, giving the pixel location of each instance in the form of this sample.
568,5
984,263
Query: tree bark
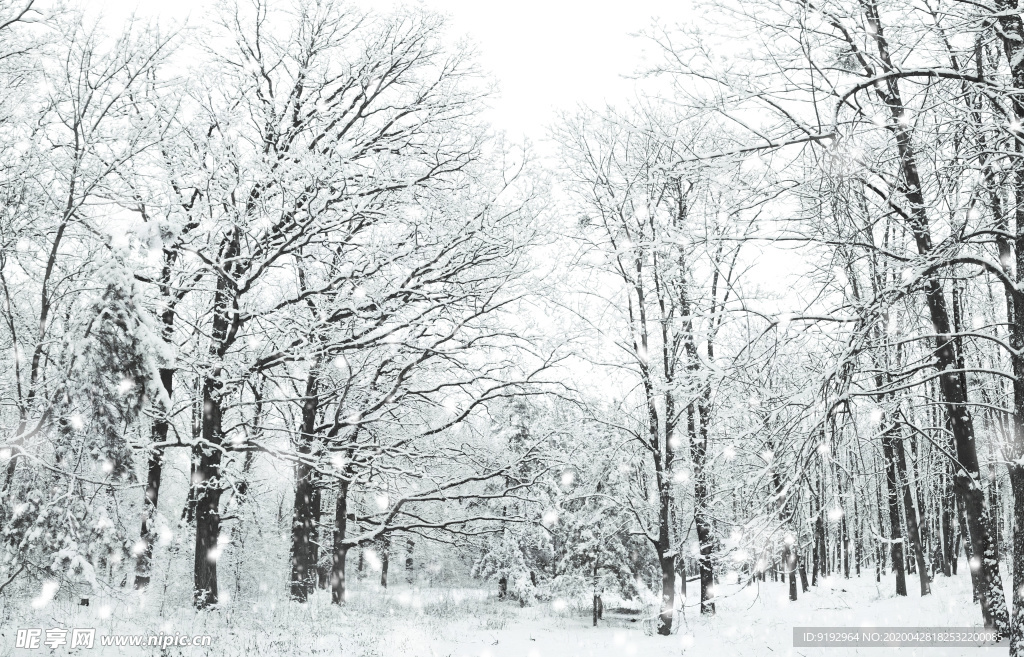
384,545
1017,624
668,581
819,536
814,551
913,521
207,507
144,561
188,512
895,534
208,453
698,423
340,549
947,502
303,559
790,560
169,298
320,571
408,560
701,501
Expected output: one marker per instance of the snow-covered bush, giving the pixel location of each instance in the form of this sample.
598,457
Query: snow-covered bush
512,561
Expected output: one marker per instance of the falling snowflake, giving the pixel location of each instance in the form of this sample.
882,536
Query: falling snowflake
46,594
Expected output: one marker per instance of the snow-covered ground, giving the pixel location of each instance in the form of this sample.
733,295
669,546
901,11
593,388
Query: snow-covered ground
408,621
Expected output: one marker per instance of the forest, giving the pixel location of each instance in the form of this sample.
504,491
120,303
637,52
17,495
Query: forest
302,352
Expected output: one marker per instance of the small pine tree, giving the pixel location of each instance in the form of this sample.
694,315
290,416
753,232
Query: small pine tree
65,521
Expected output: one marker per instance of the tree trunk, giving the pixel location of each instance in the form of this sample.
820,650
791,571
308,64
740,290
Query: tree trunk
920,507
303,516
858,552
895,535
843,545
144,562
208,453
408,560
846,547
384,546
698,421
302,522
968,550
993,505
208,491
317,572
1017,624
340,549
913,520
188,512
668,582
947,501
701,501
790,557
814,556
819,539
161,424
681,572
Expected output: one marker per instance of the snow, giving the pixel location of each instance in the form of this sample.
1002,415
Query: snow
406,620
45,595
752,621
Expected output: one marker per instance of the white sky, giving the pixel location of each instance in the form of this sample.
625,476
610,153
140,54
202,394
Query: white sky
545,55
555,54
